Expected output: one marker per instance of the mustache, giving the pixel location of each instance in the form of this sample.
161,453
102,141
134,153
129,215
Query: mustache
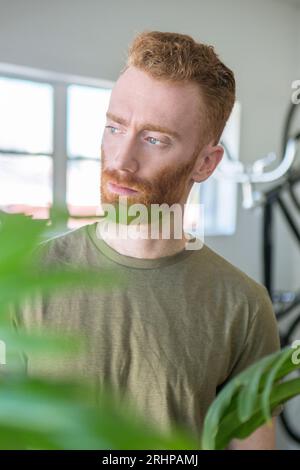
127,181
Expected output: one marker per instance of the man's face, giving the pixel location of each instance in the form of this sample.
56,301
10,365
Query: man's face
139,150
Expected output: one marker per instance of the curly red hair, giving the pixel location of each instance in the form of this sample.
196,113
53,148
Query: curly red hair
178,57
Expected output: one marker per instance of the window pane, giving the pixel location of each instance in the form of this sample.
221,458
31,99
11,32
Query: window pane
87,107
26,116
25,184
199,210
216,198
83,191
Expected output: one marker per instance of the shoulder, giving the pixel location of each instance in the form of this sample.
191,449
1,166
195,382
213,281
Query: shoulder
227,277
63,247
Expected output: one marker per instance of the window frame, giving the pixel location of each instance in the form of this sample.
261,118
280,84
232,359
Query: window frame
60,83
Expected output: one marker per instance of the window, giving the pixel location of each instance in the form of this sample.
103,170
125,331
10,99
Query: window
217,196
86,118
87,108
50,134
51,128
26,146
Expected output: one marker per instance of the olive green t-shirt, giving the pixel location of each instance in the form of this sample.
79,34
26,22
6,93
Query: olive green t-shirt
183,326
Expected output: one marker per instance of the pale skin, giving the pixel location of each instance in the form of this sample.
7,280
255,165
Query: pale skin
138,98
264,438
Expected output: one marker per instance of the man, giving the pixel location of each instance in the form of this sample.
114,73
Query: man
188,320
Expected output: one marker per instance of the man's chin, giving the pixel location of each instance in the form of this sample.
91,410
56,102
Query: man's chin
122,201
117,213
121,211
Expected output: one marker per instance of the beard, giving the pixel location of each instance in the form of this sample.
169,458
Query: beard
168,186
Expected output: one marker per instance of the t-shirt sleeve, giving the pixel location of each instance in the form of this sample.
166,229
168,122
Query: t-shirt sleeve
262,338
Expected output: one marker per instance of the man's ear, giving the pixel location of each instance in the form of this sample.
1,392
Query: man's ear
206,163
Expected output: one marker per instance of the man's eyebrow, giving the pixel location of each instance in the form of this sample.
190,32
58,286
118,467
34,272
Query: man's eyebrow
145,125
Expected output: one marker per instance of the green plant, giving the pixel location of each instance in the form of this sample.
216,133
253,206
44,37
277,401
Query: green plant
247,401
39,413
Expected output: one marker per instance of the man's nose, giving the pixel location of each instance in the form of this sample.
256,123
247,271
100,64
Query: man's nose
125,157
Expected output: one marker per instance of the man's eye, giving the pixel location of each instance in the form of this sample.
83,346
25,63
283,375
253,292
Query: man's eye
111,127
153,140
157,140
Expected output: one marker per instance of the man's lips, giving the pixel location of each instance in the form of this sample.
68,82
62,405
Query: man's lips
120,189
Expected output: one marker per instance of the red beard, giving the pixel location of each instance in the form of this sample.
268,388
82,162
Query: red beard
167,187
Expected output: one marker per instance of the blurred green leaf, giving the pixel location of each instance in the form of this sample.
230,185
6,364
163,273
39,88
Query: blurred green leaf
248,400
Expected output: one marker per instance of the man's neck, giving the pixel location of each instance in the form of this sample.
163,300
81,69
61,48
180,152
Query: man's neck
136,241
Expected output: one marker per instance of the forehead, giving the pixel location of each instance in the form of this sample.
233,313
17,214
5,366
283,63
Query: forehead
136,95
